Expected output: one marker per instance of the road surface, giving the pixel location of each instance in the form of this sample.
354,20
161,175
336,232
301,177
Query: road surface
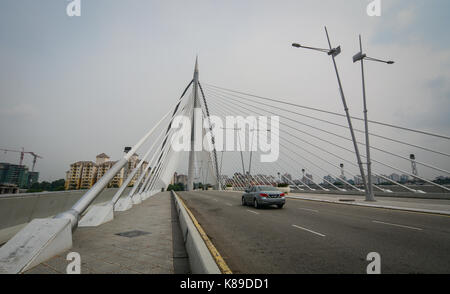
307,237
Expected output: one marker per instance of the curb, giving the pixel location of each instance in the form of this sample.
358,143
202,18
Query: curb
203,256
429,211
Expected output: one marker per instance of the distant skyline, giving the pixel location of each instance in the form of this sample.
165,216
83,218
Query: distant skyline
74,87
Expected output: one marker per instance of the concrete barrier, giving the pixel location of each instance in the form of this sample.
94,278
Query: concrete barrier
17,210
200,258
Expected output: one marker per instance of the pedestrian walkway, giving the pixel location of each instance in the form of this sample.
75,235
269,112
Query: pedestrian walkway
438,206
143,240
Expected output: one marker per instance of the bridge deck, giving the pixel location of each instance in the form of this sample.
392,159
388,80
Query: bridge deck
159,250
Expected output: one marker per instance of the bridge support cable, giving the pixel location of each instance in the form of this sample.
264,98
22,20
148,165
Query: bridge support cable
342,180
83,203
333,113
255,178
151,180
212,154
341,137
223,106
324,150
148,184
236,185
280,167
353,164
149,187
249,175
224,94
139,184
294,169
213,140
289,180
351,151
240,180
236,176
151,165
99,214
210,128
263,180
52,236
135,170
162,166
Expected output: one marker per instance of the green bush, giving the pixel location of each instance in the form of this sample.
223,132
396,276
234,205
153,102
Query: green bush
175,187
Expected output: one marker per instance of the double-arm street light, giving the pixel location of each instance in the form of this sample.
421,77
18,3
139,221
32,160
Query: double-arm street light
333,52
360,56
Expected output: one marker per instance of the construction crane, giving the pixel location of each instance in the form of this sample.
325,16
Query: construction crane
22,154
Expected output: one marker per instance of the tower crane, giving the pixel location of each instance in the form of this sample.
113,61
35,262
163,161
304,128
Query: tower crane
22,154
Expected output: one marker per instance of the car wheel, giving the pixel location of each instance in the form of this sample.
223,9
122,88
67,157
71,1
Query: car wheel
255,203
280,206
243,201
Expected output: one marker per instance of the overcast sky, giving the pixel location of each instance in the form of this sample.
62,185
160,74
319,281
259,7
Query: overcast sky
74,87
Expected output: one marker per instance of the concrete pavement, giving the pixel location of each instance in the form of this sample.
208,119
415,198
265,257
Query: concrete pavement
143,240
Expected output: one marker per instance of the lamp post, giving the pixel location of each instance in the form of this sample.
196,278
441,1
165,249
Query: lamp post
333,52
360,56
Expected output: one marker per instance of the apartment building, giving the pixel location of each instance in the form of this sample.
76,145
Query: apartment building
84,174
118,178
81,175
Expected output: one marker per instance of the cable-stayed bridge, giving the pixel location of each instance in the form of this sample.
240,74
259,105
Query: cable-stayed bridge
232,140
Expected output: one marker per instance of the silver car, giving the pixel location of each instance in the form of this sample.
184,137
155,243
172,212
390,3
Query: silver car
259,196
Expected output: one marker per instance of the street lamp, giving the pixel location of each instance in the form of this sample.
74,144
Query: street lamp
333,52
360,56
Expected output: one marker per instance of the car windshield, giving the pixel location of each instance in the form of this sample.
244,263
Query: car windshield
268,188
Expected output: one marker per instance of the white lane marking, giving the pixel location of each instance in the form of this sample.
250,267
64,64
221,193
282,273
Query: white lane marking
301,228
228,204
396,225
253,211
307,209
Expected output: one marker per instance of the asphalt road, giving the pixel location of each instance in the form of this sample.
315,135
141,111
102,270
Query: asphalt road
307,237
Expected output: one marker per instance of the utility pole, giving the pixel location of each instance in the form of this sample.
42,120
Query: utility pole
360,56
333,52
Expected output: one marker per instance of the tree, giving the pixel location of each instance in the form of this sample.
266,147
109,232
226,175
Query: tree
57,185
175,187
